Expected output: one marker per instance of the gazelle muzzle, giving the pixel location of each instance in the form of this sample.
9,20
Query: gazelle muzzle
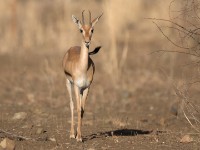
87,44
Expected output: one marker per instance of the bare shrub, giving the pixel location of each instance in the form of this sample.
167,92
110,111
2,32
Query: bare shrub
183,23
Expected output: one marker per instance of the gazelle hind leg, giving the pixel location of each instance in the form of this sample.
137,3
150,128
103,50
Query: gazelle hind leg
85,94
69,89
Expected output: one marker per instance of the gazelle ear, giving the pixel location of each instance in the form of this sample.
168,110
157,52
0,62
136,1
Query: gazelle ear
96,20
76,21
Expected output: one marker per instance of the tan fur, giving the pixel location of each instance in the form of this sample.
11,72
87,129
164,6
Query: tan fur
79,70
73,68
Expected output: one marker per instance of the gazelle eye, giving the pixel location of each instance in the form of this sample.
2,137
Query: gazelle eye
92,30
81,30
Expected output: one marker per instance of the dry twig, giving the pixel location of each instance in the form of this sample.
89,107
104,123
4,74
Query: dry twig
13,136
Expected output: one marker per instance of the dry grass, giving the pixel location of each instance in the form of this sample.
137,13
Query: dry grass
45,27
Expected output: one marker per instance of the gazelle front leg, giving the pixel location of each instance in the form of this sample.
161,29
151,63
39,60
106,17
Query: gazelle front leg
78,94
69,88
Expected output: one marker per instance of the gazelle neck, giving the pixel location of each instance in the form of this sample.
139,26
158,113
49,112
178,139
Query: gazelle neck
84,56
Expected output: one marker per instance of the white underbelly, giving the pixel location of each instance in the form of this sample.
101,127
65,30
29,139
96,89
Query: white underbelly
82,82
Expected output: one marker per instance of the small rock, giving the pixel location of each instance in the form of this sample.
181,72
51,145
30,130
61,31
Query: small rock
39,131
31,97
174,110
7,144
162,121
186,139
156,139
27,126
19,115
151,108
52,139
112,133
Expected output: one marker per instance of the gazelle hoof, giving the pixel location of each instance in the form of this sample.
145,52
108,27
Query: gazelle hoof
79,139
72,136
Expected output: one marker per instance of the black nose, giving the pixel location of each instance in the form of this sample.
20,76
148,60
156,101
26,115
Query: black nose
87,43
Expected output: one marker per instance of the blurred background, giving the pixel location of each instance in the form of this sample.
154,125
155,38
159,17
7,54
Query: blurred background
47,25
135,72
45,29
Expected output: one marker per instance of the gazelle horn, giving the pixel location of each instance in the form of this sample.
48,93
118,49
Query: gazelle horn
83,17
90,18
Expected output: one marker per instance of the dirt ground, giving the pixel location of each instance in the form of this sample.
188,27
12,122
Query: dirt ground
136,117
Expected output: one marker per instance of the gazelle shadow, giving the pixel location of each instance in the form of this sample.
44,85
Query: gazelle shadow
120,132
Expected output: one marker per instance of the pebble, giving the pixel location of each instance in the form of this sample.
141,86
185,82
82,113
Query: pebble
7,144
39,131
186,139
19,116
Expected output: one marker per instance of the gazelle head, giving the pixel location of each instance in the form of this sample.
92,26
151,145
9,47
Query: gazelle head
86,29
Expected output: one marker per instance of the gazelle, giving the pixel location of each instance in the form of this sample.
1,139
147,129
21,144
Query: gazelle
79,70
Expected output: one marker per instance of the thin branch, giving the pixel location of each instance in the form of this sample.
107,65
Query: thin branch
165,20
171,51
19,137
169,38
190,121
195,11
186,34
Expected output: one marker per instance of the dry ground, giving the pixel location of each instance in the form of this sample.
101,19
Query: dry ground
141,117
